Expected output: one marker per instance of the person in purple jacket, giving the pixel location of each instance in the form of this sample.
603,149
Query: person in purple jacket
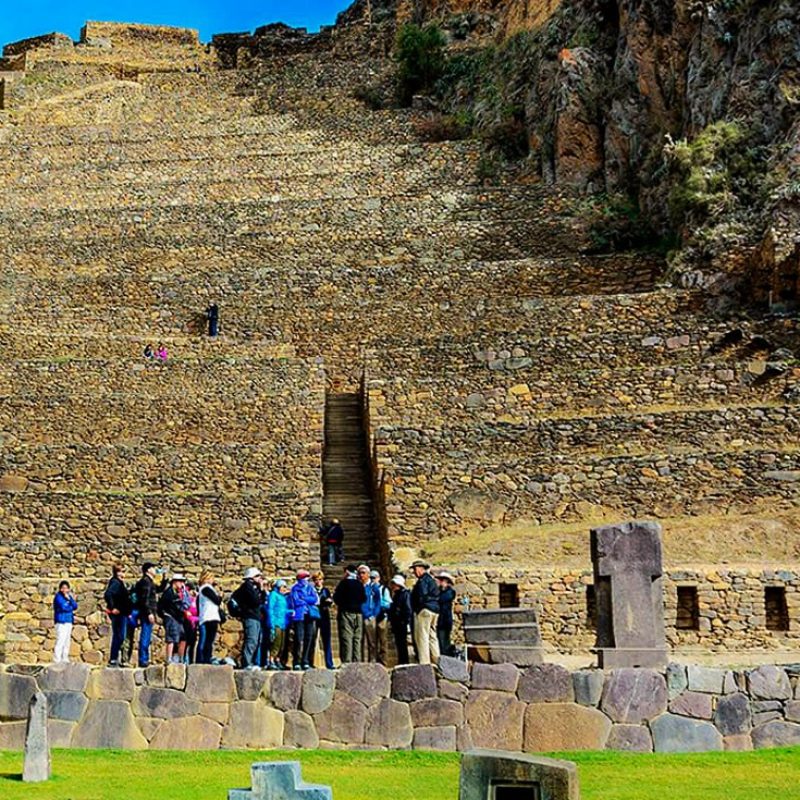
64,607
304,601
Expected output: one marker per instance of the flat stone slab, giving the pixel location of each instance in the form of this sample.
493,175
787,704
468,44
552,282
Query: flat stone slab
66,705
70,677
299,731
253,724
367,683
187,733
692,704
318,688
453,669
389,725
414,682
109,724
284,689
550,727
343,721
630,739
732,715
111,684
587,686
776,734
546,683
210,683
769,683
673,734
499,677
16,692
434,712
705,679
250,683
495,720
634,695
442,738
152,701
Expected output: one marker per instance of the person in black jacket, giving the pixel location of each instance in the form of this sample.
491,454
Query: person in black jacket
249,598
147,606
324,626
400,616
349,596
212,314
444,625
425,605
118,605
171,608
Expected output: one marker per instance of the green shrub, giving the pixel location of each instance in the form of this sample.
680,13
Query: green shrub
445,127
420,57
490,167
371,96
616,224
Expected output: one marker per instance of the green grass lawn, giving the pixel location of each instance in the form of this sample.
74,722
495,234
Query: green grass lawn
114,775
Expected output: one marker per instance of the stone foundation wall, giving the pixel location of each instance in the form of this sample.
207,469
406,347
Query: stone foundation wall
541,709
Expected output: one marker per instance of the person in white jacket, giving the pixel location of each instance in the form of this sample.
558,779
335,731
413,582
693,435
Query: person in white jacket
209,602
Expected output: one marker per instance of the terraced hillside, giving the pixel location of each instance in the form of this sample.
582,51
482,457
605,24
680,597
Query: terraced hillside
514,388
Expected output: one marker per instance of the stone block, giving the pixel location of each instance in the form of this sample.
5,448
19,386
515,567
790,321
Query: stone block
413,682
152,701
769,683
438,738
367,683
343,721
763,717
705,679
677,679
12,735
59,732
66,705
71,677
792,711
284,689
731,684
494,720
389,725
732,715
545,683
448,690
250,683
434,712
453,669
776,734
587,685
673,734
299,731
187,733
692,704
111,684
210,683
253,724
550,727
739,743
155,675
498,677
219,712
630,738
318,688
634,695
175,676
16,692
108,724
148,726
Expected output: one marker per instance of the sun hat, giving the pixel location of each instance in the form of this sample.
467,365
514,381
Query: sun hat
177,577
420,563
303,573
374,574
398,580
445,576
251,572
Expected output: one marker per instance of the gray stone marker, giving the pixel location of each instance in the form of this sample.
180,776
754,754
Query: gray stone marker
628,587
280,780
496,775
36,766
503,636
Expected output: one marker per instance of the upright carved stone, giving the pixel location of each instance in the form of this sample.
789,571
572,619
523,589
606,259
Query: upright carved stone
36,766
628,586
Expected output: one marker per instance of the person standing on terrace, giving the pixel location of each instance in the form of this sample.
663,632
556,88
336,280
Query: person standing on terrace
118,606
64,607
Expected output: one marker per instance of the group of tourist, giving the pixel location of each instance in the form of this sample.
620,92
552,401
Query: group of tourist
158,354
281,623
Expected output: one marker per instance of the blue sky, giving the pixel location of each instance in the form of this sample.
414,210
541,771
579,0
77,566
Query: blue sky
19,20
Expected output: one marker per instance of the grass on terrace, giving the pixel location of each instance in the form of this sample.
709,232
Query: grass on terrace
107,775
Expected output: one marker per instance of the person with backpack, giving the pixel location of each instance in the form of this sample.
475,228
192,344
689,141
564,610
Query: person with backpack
245,604
146,593
64,607
400,617
172,607
305,614
277,614
118,606
209,617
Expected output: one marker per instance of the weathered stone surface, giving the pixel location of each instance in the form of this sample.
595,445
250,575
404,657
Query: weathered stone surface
763,717
187,733
705,679
677,679
499,677
776,734
250,683
443,738
587,685
175,676
70,677
12,735
453,669
389,724
413,682
634,695
299,731
219,712
732,715
545,683
692,704
448,690
111,684
210,683
343,721
564,726
673,734
156,675
494,720
16,692
66,705
108,724
148,726
152,701
435,712
792,711
739,743
732,684
630,738
769,683
283,690
253,724
318,688
36,762
59,732
367,683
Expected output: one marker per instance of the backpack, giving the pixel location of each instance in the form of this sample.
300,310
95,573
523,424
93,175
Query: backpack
234,611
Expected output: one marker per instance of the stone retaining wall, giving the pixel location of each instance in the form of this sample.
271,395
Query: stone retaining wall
544,708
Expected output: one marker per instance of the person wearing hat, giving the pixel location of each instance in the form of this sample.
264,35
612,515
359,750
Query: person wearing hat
400,616
444,625
277,614
425,605
349,596
248,599
146,594
333,535
172,606
304,601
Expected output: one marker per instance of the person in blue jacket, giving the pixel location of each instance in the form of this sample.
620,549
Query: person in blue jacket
277,613
64,607
305,605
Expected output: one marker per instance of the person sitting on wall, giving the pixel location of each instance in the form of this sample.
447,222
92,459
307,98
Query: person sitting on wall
64,607
118,606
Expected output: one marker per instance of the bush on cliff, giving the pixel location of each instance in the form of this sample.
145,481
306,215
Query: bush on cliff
420,57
